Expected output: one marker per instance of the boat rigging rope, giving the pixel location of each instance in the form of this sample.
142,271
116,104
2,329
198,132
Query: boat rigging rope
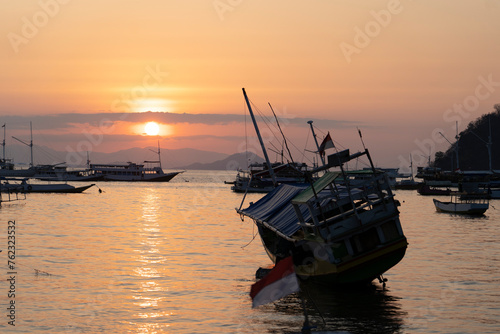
253,238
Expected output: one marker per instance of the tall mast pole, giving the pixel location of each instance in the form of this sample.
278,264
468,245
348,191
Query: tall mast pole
269,166
316,141
489,143
3,143
159,155
31,144
456,145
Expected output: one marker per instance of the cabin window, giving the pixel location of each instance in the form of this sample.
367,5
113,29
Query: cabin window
390,230
339,250
365,241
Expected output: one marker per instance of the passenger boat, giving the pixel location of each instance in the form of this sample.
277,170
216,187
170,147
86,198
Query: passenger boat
463,203
338,233
132,172
149,171
63,173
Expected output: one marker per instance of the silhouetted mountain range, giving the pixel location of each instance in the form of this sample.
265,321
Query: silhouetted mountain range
472,145
186,158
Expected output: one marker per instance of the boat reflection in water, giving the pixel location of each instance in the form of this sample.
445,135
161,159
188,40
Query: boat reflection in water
366,310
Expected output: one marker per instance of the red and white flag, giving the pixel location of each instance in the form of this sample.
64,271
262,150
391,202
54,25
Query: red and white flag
327,143
280,282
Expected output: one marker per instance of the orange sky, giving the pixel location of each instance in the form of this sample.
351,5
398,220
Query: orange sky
399,70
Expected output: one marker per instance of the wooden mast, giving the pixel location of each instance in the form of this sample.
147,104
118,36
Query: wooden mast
269,166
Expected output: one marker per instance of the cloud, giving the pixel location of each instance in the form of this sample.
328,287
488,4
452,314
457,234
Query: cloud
60,121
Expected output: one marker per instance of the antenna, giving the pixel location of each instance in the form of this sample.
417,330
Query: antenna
456,147
488,144
158,152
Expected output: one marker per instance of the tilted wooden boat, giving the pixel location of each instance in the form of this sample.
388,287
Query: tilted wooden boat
337,230
336,233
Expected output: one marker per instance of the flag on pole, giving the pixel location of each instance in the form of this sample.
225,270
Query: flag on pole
327,143
280,282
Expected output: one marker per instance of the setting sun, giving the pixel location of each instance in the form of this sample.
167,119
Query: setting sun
152,129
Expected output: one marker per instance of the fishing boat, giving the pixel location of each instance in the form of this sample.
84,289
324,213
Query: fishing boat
266,176
149,171
463,203
258,178
23,186
336,232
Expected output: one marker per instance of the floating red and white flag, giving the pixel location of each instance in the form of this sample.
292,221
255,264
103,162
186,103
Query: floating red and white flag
327,143
280,282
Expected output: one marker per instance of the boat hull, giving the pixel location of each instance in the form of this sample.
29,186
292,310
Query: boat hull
45,188
72,179
359,270
147,178
461,208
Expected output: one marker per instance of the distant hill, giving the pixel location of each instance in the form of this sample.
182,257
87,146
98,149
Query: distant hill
472,150
170,158
232,162
186,158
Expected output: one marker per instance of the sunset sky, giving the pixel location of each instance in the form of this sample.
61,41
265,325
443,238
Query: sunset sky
86,73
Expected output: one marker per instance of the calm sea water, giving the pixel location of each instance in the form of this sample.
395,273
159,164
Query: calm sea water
175,257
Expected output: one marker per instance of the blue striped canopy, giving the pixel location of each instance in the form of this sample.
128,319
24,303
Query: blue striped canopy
276,209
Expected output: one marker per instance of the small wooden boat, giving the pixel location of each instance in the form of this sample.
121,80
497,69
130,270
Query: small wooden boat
25,187
461,204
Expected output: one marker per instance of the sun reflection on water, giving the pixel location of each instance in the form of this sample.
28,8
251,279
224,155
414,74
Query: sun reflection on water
149,297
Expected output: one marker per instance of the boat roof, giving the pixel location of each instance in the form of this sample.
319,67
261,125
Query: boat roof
130,164
319,185
276,209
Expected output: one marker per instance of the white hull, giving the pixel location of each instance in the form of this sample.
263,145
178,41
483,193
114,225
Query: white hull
461,207
141,178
